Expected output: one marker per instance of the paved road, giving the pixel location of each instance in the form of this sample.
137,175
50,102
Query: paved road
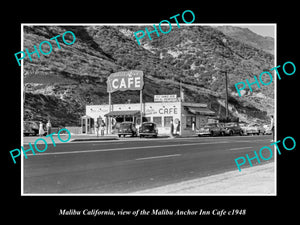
127,165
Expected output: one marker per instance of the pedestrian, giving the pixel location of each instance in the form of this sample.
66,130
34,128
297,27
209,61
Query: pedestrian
41,129
48,126
97,128
102,128
178,128
171,128
272,127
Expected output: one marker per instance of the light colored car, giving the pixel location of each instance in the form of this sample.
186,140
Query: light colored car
213,129
268,131
254,129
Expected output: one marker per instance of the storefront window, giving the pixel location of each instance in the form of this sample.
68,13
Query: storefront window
157,120
167,121
147,119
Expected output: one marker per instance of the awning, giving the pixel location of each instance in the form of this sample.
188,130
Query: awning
200,111
123,113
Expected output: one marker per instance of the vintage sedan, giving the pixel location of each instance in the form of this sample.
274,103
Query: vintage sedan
30,128
212,129
127,128
255,129
232,128
148,129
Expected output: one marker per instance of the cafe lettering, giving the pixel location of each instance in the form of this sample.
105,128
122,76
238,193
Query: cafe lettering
168,111
123,81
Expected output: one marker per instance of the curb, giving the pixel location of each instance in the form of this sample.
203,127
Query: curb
94,139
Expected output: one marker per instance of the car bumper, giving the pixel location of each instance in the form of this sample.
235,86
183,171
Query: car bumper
252,131
203,133
148,134
125,133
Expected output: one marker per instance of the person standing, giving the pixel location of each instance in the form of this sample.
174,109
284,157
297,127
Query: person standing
171,128
272,127
97,128
178,128
41,129
102,128
48,126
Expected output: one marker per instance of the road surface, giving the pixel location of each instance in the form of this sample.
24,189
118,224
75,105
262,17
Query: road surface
132,164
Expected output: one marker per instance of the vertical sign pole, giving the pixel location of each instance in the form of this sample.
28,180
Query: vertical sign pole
141,101
108,130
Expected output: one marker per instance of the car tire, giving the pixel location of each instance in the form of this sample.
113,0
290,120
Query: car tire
230,133
212,133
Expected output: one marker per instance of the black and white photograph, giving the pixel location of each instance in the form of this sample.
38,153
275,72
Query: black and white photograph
128,113
148,109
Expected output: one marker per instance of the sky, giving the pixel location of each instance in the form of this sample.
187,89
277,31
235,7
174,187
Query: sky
264,30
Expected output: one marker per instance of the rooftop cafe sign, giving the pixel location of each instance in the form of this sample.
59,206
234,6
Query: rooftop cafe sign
125,80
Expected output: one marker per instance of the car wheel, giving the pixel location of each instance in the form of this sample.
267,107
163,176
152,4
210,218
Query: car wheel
230,133
212,133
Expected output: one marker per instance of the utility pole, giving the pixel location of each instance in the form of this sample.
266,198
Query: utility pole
226,79
226,86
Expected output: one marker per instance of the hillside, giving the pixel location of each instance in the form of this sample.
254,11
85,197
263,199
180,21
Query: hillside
59,85
248,37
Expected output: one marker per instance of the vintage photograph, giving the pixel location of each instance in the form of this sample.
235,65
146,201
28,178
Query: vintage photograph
148,109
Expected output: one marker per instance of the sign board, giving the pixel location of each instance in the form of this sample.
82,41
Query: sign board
165,98
125,80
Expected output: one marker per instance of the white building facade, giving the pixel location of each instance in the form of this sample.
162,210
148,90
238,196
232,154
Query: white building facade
186,117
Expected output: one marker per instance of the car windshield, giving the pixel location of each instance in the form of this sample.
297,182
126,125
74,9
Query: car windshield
125,125
148,125
209,125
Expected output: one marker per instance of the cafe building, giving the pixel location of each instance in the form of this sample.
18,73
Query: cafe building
186,117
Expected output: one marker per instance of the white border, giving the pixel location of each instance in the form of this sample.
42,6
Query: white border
143,24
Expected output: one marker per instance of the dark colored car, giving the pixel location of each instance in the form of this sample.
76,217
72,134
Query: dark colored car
127,128
213,129
30,128
148,129
232,128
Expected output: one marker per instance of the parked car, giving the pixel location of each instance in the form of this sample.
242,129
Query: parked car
232,128
255,129
148,129
30,128
212,129
268,130
127,128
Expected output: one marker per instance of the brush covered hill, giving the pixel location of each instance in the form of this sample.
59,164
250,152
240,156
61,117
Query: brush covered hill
59,85
247,36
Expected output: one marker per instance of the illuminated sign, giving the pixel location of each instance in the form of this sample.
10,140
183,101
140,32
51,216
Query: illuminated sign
125,80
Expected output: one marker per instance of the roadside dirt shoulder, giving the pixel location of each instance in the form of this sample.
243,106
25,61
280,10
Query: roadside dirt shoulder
257,180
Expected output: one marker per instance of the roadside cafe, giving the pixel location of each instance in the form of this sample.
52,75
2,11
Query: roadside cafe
186,117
